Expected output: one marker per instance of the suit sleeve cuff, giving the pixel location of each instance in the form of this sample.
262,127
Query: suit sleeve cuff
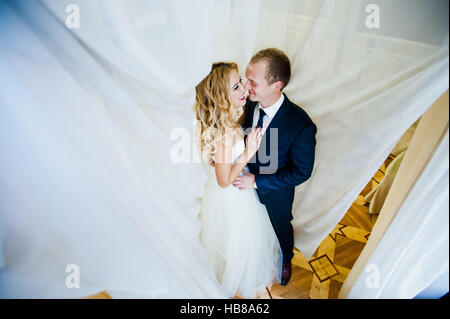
255,186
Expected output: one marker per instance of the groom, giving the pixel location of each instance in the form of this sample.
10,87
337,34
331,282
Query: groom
285,158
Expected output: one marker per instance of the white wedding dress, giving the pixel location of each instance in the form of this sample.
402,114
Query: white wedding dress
238,236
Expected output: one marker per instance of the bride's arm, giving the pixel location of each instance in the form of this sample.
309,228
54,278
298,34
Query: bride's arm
226,172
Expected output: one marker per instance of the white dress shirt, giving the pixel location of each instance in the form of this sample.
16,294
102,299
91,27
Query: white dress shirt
270,113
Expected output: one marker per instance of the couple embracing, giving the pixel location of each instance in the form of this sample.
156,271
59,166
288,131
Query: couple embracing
260,147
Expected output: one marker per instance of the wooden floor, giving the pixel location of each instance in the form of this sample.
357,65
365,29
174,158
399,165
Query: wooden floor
322,276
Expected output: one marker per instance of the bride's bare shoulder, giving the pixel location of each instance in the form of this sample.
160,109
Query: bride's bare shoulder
226,142
231,135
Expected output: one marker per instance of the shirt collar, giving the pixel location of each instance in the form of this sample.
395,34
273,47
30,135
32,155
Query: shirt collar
272,110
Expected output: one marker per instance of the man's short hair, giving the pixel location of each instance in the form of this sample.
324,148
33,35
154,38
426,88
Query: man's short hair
278,65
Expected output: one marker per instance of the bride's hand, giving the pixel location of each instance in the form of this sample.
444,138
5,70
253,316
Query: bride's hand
253,141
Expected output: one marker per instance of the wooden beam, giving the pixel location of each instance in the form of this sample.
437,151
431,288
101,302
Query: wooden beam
429,132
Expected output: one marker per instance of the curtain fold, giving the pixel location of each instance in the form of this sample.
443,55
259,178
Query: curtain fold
98,164
420,233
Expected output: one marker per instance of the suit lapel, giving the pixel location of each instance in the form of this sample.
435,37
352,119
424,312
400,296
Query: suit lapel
276,121
279,116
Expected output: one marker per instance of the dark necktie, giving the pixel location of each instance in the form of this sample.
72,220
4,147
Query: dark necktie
261,117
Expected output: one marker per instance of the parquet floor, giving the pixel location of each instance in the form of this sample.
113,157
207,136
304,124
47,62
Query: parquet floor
322,276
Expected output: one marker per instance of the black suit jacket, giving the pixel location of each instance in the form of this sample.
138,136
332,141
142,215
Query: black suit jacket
285,158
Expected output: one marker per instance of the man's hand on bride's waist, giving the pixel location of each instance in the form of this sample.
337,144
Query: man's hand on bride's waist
245,181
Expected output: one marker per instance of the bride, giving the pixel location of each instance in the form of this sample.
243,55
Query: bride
236,232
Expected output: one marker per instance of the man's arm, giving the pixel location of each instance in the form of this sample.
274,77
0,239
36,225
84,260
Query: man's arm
302,155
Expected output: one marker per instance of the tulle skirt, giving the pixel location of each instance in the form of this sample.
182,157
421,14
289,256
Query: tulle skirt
239,239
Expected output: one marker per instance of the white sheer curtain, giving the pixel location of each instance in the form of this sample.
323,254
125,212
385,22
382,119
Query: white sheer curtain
413,253
89,119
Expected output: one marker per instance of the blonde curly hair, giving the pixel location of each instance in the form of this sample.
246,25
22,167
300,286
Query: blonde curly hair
214,109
